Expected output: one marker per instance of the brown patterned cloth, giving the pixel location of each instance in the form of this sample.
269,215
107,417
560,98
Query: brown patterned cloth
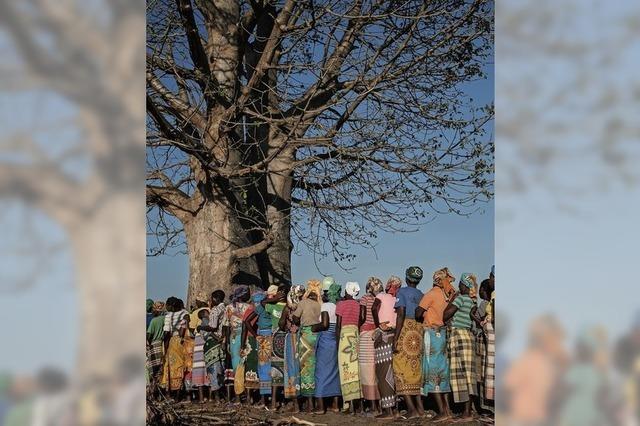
407,363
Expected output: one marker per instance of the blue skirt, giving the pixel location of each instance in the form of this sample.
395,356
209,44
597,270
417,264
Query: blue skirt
435,365
327,375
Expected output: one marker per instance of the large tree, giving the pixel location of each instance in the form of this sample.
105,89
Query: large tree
318,122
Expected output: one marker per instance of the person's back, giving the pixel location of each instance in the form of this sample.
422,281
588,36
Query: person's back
156,328
529,381
462,317
387,313
349,311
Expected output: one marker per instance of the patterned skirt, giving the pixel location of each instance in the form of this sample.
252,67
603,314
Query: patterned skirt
265,343
175,365
214,361
327,376
251,380
383,345
462,364
277,358
435,365
407,363
367,365
292,366
348,363
307,355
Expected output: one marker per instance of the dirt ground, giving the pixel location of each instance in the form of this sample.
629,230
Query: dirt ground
211,414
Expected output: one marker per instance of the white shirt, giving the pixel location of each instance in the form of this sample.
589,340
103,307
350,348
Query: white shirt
329,308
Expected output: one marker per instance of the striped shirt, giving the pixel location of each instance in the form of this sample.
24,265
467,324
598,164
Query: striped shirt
462,317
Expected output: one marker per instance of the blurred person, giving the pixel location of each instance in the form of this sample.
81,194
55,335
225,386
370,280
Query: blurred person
366,350
232,323
128,405
531,378
347,330
291,362
5,395
435,365
307,315
384,318
327,376
155,343
627,361
487,343
407,344
212,332
584,384
461,310
20,412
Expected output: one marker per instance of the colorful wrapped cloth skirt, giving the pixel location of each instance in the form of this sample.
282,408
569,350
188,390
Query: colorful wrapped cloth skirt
327,376
407,363
462,364
383,344
348,363
435,362
307,355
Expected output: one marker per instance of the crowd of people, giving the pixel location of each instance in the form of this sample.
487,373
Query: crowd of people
390,352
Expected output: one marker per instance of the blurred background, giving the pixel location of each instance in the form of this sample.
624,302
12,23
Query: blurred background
567,151
72,255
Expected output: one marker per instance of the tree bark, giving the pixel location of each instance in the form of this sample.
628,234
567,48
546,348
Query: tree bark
212,237
279,187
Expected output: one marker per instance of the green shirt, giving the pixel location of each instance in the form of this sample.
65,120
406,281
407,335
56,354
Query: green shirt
462,317
275,309
156,328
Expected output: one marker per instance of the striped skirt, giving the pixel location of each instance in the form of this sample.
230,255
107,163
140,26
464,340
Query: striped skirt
277,358
462,364
490,363
155,357
348,363
292,367
383,345
327,376
214,360
199,371
265,343
407,363
367,366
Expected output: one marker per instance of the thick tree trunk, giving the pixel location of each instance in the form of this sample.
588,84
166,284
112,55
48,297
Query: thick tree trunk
212,236
108,254
279,186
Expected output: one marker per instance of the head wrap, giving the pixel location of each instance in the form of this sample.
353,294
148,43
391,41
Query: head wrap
352,288
239,293
414,274
158,307
374,286
294,296
440,281
258,297
314,287
393,285
468,280
333,294
327,282
272,290
149,305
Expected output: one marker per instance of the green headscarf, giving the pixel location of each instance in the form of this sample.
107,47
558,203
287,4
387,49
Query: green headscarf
149,305
333,293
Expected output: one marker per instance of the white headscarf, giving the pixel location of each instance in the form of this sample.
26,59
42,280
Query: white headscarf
352,288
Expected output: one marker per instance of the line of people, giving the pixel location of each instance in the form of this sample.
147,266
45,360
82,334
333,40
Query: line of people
308,348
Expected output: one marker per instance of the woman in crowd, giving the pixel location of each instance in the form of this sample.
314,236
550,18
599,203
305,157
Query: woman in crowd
292,364
307,314
199,369
274,304
366,355
327,377
250,347
435,365
211,329
347,323
407,354
176,360
384,317
461,310
155,343
232,323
